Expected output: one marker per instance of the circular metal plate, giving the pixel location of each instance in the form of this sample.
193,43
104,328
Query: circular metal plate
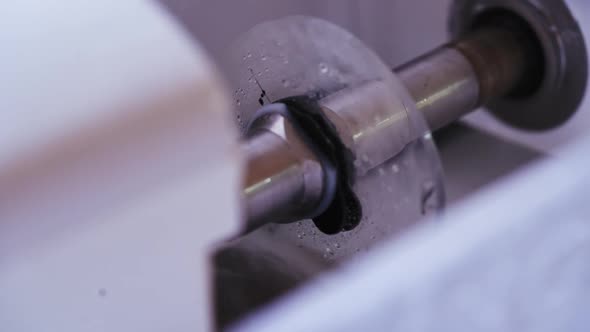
307,56
566,63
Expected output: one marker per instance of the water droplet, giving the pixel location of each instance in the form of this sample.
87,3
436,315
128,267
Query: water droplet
329,253
238,102
395,168
428,136
357,163
323,68
286,61
337,245
286,83
249,55
263,58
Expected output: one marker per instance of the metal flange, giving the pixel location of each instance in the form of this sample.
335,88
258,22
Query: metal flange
398,177
565,69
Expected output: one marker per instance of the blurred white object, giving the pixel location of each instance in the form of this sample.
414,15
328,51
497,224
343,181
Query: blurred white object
116,137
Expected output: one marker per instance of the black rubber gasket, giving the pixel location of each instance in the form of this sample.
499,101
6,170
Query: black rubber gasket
344,211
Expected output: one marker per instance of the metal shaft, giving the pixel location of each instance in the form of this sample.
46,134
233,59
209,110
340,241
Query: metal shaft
285,179
458,77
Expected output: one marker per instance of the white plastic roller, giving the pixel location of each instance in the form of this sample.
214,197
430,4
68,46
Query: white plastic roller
116,144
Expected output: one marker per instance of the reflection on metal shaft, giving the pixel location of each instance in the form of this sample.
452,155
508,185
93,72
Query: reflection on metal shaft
443,84
456,78
284,179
